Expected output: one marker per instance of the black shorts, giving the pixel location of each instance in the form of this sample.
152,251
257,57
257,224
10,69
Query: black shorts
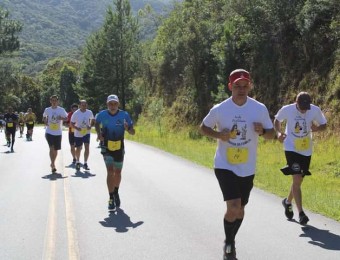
54,140
118,156
10,130
71,138
29,126
298,163
233,186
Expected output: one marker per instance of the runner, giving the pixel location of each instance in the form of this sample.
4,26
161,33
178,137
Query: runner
111,125
53,117
30,119
21,123
236,123
300,118
82,120
11,120
71,140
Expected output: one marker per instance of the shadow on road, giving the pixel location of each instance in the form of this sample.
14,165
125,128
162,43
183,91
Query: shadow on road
54,176
120,221
84,174
321,237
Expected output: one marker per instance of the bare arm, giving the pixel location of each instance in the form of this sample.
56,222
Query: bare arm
205,130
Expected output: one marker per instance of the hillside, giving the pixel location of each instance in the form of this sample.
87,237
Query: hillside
60,27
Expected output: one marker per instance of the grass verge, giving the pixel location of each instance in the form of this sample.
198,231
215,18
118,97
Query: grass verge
321,191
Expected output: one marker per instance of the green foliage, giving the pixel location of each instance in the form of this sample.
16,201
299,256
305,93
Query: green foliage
110,57
60,28
9,30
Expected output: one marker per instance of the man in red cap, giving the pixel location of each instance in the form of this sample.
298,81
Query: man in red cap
301,119
236,123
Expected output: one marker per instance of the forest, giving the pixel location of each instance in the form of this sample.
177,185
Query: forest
170,60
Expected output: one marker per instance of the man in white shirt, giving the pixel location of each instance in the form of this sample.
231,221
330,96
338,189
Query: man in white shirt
82,120
302,118
236,123
53,118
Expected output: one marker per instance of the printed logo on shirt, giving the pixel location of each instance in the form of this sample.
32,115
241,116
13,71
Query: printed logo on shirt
238,132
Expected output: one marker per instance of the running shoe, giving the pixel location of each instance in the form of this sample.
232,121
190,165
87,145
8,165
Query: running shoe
229,252
117,200
12,151
78,166
303,219
112,205
86,167
74,161
288,209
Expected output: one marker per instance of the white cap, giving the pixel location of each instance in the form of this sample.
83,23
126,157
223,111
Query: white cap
112,98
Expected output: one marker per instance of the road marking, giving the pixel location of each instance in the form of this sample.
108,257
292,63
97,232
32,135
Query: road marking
72,241
49,248
73,248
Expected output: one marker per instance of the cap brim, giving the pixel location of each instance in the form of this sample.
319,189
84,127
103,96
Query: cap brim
238,79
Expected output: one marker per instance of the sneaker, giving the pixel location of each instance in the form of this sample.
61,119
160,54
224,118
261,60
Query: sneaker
229,252
117,200
303,219
78,166
12,151
288,209
86,167
112,205
74,161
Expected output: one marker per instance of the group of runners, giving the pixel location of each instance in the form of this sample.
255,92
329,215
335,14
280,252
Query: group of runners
110,125
12,121
237,123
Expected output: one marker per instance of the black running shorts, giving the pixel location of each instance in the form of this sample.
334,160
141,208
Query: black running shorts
233,186
54,140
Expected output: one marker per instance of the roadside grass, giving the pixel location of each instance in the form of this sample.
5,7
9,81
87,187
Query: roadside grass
321,191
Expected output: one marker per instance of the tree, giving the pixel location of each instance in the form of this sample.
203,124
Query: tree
110,56
8,33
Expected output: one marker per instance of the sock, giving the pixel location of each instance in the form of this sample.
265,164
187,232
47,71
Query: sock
229,231
111,195
116,190
237,225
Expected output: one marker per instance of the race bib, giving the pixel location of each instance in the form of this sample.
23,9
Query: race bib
54,126
30,122
237,155
83,131
10,125
302,144
114,145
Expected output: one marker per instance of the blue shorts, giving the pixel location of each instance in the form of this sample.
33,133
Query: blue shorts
79,141
233,186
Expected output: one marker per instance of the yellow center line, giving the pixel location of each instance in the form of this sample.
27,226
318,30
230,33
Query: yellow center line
72,241
49,247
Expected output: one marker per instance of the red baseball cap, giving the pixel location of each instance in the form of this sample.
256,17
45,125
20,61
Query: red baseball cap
237,75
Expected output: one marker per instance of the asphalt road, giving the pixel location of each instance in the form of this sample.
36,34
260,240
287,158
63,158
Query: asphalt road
171,209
